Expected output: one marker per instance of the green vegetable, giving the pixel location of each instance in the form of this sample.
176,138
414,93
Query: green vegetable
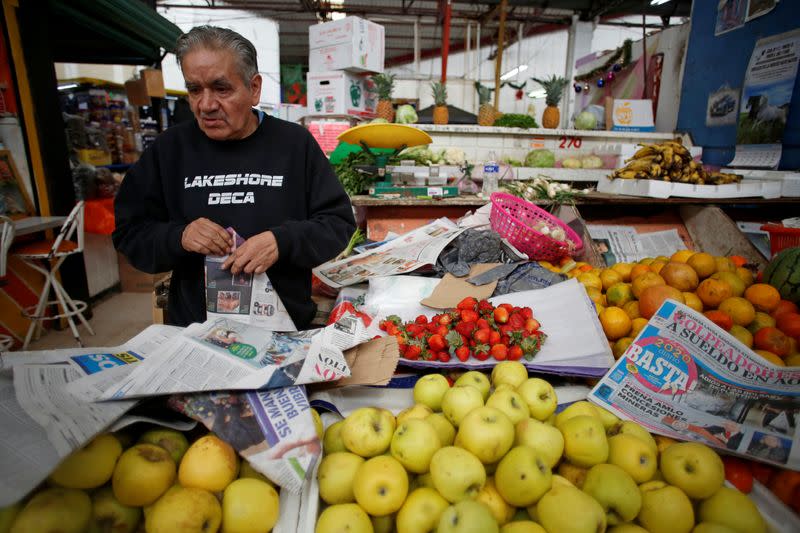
353,181
406,115
516,120
585,121
540,158
357,238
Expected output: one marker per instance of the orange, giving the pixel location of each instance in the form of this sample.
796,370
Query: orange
637,325
731,279
657,265
703,263
724,264
762,320
591,280
746,275
771,357
763,296
784,306
792,360
713,292
789,324
663,258
596,296
681,256
632,309
648,279
619,294
620,346
646,261
773,340
793,346
740,310
720,318
680,275
744,336
616,323
609,277
738,260
691,299
624,269
651,298
599,308
638,270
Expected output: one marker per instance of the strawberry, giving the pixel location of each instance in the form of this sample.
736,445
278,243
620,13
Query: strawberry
431,327
516,309
507,307
468,315
506,340
421,319
531,345
441,330
413,351
515,353
485,306
454,340
494,337
501,315
482,323
445,319
531,325
499,352
462,352
516,320
481,352
467,303
391,319
444,357
527,312
481,336
505,329
465,328
436,342
391,329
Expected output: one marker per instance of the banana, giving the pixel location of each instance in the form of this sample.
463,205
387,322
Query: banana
645,150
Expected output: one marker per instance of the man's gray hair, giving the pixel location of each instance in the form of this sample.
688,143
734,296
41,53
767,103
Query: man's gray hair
216,38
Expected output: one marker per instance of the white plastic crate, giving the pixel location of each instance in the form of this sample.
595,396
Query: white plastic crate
747,188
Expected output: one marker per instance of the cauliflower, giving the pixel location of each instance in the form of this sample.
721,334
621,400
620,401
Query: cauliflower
454,156
571,162
592,161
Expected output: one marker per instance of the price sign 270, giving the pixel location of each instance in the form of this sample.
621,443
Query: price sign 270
570,142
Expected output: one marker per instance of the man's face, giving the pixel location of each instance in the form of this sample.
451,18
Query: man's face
219,98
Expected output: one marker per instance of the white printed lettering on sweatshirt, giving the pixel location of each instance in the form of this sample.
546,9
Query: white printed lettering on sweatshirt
226,180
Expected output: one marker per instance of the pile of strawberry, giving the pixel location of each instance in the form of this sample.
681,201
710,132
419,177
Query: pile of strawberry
473,329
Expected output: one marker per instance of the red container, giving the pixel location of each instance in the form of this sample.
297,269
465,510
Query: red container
781,237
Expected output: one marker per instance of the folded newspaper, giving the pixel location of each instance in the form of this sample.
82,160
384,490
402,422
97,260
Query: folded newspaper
686,378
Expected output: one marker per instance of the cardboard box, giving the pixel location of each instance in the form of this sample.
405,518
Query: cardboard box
351,43
153,82
339,93
133,280
633,115
92,156
136,91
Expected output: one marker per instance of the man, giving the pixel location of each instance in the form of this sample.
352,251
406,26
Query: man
231,167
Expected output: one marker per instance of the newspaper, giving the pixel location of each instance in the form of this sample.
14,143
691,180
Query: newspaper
623,244
225,354
398,256
686,378
249,298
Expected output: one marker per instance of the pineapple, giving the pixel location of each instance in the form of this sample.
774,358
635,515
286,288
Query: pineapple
384,85
440,114
553,88
486,111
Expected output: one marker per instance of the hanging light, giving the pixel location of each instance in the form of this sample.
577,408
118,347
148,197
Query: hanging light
514,71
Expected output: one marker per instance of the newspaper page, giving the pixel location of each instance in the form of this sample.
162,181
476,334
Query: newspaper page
249,298
686,378
225,354
623,244
272,429
398,256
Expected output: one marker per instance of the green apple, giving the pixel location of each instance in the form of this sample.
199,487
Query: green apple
491,498
522,526
184,510
545,439
627,528
460,400
382,524
634,456
368,431
170,439
627,427
665,509
380,485
576,475
421,511
457,474
55,510
523,477
90,466
347,517
511,403
585,442
110,515
429,390
710,527
581,408
413,444
540,396
608,418
335,477
332,440
249,506
615,491
467,517
511,373
415,411
570,510
444,429
487,433
731,508
476,379
7,516
694,468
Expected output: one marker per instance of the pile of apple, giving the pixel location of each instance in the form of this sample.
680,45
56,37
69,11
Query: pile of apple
176,487
465,459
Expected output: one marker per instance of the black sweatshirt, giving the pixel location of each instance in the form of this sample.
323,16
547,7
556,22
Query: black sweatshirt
276,179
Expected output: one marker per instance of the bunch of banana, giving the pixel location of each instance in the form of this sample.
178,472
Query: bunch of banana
669,161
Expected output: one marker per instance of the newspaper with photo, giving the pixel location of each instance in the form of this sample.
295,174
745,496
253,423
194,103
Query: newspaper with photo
401,255
249,298
623,244
686,378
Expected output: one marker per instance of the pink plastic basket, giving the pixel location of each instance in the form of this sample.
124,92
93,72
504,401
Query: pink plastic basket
513,218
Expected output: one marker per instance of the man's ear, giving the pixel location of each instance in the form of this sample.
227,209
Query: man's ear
255,89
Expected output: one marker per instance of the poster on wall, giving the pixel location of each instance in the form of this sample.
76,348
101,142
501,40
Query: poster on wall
730,15
722,106
758,8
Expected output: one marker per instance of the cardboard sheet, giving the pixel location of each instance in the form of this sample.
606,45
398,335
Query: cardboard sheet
452,290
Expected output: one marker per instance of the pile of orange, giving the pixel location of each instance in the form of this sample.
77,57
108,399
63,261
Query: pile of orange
626,295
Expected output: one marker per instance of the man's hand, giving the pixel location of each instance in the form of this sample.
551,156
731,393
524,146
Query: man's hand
207,238
255,256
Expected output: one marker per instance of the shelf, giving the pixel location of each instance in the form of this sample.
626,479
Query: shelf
543,132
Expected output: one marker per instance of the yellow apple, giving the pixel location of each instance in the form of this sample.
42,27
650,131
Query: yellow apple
710,527
444,429
662,442
694,468
627,528
545,439
413,444
416,411
332,440
108,514
627,427
491,498
89,467
540,396
170,439
731,508
184,510
576,475
425,480
487,433
585,442
615,491
476,379
467,517
429,390
55,510
246,470
457,474
318,424
143,473
665,509
210,463
7,516
421,511
522,526
581,408
523,477
380,485
561,480
344,518
511,373
569,510
459,401
249,506
335,476
368,431
634,456
608,418
382,524
510,403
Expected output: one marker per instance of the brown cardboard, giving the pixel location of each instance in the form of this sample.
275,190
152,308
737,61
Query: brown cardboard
136,91
133,280
371,363
452,290
153,82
